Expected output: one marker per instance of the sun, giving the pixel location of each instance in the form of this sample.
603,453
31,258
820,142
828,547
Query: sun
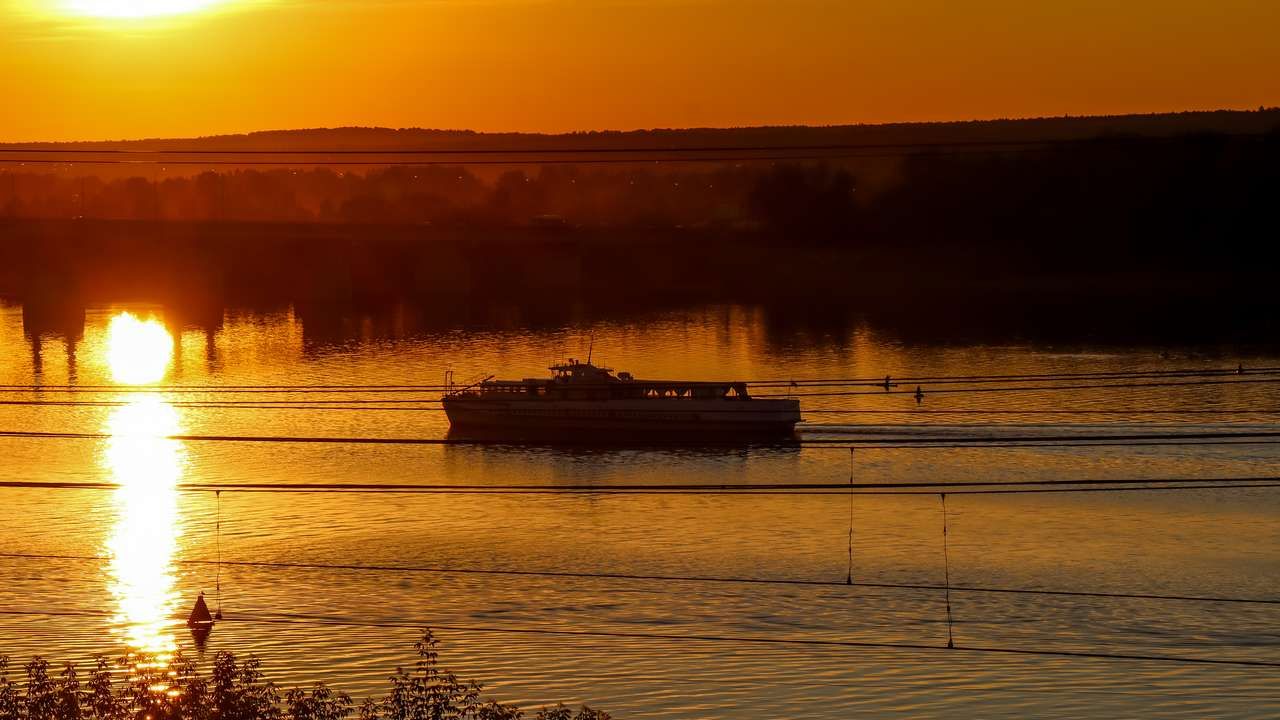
133,8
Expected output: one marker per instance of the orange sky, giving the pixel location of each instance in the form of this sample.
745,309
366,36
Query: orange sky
560,65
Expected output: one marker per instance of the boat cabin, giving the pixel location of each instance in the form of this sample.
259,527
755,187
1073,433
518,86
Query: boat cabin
576,380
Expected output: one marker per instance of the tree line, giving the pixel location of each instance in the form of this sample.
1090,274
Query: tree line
1104,202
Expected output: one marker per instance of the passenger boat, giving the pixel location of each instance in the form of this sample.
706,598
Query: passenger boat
582,401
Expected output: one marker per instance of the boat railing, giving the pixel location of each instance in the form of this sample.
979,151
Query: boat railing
451,390
629,390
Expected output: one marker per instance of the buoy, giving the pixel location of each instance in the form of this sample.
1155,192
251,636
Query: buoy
200,617
919,394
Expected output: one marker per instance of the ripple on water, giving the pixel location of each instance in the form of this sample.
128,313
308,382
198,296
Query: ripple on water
1201,542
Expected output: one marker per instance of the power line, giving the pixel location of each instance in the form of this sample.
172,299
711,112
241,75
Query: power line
1068,377
879,439
597,491
408,405
890,437
931,391
635,156
1178,439
404,404
1068,411
232,405
1112,374
269,389
664,578
299,619
221,388
673,446
1018,491
1102,375
1025,388
833,489
814,444
705,149
463,162
803,382
232,402
1147,140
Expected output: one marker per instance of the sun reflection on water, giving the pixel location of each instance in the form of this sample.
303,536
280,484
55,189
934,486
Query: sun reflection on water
146,467
138,351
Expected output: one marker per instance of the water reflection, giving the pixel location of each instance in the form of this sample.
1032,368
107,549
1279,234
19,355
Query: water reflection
146,467
138,351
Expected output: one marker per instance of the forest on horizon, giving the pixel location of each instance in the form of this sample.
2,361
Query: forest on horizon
1120,193
1261,120
1184,215
1195,201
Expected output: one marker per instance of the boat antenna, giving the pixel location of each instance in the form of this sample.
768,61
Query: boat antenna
591,347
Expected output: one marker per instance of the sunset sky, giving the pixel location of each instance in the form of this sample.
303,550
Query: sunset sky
85,69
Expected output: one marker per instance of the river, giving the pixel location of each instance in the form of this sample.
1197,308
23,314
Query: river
133,555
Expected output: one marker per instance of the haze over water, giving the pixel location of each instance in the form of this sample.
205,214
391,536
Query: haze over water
1220,542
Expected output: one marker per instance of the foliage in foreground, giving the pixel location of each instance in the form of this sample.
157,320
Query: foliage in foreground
143,690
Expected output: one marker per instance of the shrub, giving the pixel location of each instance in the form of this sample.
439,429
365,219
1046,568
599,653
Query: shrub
140,688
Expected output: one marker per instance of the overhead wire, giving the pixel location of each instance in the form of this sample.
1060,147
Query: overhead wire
412,405
433,406
646,577
807,444
301,619
656,158
881,436
1107,380
791,394
1005,411
1025,388
634,149
836,489
870,381
764,640
1020,377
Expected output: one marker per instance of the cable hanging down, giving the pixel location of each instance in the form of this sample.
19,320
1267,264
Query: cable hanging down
946,569
849,575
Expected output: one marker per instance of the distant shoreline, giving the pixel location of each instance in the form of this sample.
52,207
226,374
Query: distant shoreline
1253,121
220,262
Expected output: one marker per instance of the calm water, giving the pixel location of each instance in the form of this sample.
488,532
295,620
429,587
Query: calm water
1204,542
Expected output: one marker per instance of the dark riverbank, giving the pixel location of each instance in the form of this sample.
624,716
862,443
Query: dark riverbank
453,277
232,261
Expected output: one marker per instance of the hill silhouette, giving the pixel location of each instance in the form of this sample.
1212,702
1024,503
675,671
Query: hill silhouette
1003,130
